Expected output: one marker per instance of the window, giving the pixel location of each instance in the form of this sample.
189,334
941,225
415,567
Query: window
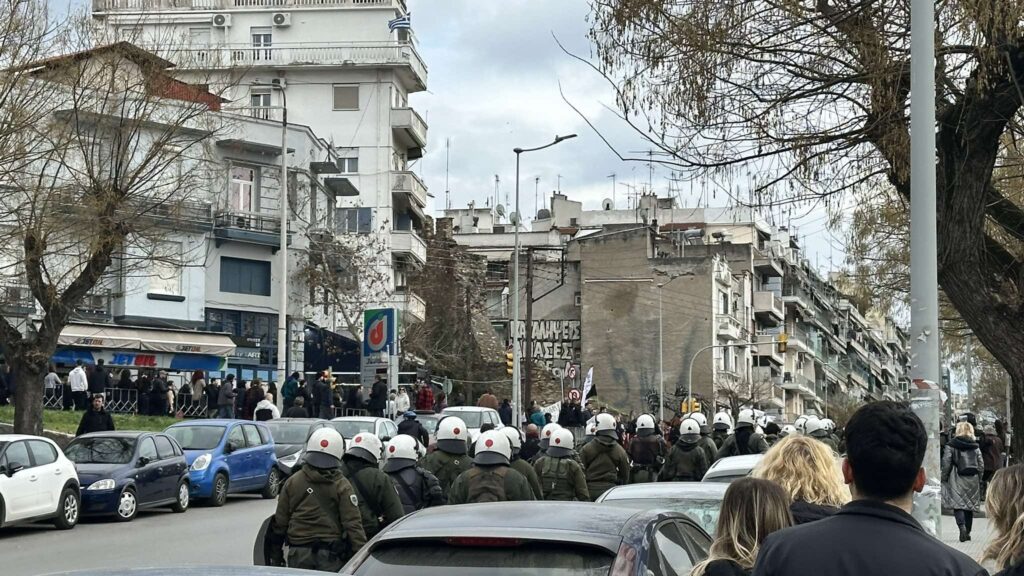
348,160
723,303
17,453
262,37
199,37
129,34
42,452
355,220
673,558
148,450
252,436
164,447
346,97
165,269
243,188
260,104
235,438
242,276
265,435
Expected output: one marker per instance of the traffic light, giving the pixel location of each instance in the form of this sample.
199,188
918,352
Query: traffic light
780,343
510,363
694,406
689,406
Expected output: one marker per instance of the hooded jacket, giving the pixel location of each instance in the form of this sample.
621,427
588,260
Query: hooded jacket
95,421
302,518
960,489
605,464
267,405
804,512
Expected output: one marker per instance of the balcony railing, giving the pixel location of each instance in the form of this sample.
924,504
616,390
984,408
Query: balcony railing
218,5
407,182
408,242
769,308
414,307
16,299
408,122
94,305
253,221
729,328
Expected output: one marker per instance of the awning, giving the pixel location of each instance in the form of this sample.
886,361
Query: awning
126,338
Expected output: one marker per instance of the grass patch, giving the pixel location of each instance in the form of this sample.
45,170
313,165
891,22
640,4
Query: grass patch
67,422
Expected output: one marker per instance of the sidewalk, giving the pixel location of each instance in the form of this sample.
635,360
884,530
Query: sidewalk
979,537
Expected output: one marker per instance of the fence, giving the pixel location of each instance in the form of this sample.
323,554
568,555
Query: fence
53,398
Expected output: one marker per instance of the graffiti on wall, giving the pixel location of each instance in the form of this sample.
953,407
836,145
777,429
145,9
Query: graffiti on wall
554,341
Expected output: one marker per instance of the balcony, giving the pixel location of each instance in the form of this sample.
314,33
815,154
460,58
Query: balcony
767,263
409,184
767,349
799,300
769,309
411,307
857,346
16,300
408,245
800,384
94,306
248,227
729,328
101,6
402,57
410,130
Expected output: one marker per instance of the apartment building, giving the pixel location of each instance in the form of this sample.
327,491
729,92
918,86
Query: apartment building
339,67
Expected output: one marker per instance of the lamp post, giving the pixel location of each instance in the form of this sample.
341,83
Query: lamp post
661,351
516,360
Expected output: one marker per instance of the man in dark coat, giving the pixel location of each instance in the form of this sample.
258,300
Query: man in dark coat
875,533
158,395
378,397
95,419
99,379
413,427
505,412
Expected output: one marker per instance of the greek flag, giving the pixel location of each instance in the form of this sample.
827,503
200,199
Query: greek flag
401,22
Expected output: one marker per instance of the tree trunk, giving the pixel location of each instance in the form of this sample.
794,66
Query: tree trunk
1016,448
28,398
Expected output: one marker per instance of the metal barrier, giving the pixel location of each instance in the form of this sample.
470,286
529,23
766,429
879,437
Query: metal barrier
122,400
191,409
53,398
339,412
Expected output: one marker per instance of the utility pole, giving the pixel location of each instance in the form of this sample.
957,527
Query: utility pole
612,176
536,196
970,371
528,345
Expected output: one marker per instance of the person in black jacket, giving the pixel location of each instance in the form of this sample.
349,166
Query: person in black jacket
95,419
875,533
412,427
806,469
99,379
158,395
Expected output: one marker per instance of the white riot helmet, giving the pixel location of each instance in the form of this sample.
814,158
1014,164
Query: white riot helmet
723,421
745,418
365,446
645,425
787,430
829,424
403,446
545,434
515,438
591,427
799,424
605,424
816,428
493,448
324,448
562,444
689,431
703,421
452,435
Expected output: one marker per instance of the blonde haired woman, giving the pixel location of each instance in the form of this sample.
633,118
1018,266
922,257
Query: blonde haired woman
806,469
962,467
1005,506
751,510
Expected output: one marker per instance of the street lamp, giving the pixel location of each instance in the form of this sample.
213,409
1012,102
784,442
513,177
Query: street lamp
516,369
661,351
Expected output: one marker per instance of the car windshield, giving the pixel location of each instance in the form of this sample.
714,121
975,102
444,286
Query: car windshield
197,437
704,512
434,558
429,422
101,450
472,419
289,432
726,478
349,428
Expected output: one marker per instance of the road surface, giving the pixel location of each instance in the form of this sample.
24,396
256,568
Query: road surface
155,538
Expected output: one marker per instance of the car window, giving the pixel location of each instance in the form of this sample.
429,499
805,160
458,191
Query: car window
147,449
252,436
42,452
698,542
442,559
236,437
197,437
669,555
163,447
16,453
101,450
392,429
264,434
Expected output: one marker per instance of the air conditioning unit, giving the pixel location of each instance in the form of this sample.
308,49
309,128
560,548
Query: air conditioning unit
282,19
221,20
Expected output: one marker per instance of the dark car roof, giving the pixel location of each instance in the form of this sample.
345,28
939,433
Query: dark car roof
192,571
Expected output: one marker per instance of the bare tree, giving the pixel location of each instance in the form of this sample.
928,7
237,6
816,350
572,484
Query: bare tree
808,104
738,393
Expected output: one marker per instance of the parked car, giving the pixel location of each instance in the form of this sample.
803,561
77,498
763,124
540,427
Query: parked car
732,468
474,417
228,457
428,418
349,426
290,435
503,538
698,500
37,482
124,472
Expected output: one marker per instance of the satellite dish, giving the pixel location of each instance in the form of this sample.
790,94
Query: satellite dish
607,204
499,210
543,214
514,218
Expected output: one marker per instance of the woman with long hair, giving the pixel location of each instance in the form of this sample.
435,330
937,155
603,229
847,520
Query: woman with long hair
962,467
1005,509
751,510
808,471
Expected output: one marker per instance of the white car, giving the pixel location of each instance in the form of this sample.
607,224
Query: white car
349,426
732,468
475,417
37,482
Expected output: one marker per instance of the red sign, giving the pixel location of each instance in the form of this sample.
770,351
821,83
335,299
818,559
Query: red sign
142,360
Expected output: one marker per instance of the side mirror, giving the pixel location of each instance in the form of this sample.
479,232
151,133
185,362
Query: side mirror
231,447
13,468
141,462
385,438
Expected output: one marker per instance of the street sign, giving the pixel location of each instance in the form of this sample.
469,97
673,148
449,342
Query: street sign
575,395
379,331
570,371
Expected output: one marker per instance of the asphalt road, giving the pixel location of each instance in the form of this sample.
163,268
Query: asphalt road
222,536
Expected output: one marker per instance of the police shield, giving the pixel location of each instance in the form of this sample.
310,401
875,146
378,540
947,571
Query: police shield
268,549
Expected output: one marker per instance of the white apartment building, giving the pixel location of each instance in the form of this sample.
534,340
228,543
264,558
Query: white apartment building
338,68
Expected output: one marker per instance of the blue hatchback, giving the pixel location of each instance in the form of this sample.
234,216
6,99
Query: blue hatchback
228,457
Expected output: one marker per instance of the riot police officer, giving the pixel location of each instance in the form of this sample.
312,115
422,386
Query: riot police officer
379,503
545,439
317,510
417,488
491,479
589,432
800,425
720,428
746,440
687,461
515,439
450,459
818,430
605,463
706,442
561,477
646,451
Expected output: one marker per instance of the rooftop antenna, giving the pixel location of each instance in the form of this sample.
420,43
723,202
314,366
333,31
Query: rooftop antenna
497,188
447,190
536,196
559,184
612,176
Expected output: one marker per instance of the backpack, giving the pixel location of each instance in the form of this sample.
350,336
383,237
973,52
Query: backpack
965,466
553,480
487,485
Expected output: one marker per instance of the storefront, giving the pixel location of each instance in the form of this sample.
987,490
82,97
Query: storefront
245,361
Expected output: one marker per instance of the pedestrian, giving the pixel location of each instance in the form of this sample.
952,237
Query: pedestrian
99,379
488,400
720,428
1001,433
158,395
144,386
212,394
317,510
266,409
751,510
226,398
875,533
687,461
390,412
290,390
425,397
646,451
515,439
992,455
79,383
505,412
531,446
537,417
241,388
449,460
605,463
95,419
746,440
379,504
323,397
378,397
298,409
254,394
410,426
560,476
491,479
962,468
402,404
272,390
1005,510
807,470
417,488
198,386
51,383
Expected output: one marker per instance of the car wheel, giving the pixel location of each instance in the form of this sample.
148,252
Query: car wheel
127,506
273,487
181,504
68,510
220,490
